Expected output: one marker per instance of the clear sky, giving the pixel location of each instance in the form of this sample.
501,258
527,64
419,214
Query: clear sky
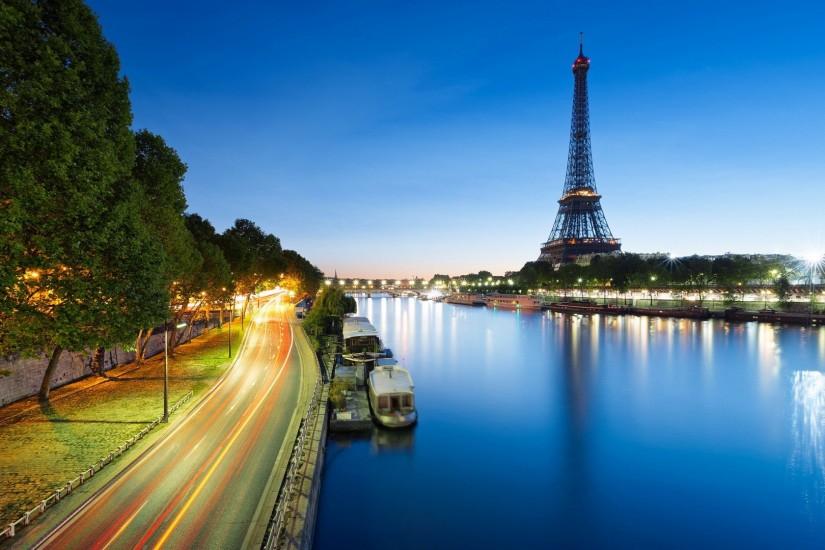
393,139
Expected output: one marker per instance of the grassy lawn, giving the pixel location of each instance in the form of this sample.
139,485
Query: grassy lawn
48,445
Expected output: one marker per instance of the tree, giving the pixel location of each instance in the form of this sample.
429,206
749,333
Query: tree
214,279
78,267
253,255
535,274
299,274
782,289
327,311
159,172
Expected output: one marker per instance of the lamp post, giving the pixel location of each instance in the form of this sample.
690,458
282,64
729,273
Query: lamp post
231,309
652,280
166,369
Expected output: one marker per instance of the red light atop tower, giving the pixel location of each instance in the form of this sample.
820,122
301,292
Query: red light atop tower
581,61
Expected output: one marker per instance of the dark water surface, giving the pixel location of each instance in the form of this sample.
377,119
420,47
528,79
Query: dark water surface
542,430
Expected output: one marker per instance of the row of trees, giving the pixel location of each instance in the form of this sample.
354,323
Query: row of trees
96,245
732,274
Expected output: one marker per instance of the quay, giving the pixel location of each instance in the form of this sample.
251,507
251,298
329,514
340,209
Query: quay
691,312
351,412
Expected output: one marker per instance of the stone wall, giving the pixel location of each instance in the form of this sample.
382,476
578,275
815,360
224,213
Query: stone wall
21,378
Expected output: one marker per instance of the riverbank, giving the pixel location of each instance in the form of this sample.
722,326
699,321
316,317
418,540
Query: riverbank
736,314
46,445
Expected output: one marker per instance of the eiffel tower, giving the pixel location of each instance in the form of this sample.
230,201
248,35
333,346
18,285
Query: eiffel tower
580,230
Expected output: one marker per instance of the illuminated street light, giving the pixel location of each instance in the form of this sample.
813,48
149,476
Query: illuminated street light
327,282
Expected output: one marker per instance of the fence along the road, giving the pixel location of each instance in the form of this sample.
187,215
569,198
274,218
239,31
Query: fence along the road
285,505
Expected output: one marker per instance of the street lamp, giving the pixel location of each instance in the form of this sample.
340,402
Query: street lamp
166,369
652,280
231,309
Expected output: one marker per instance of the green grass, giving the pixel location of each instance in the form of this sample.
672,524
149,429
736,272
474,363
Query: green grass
48,446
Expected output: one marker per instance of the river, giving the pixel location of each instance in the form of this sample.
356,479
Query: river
542,429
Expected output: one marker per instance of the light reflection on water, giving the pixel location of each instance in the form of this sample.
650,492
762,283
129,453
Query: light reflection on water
809,432
541,429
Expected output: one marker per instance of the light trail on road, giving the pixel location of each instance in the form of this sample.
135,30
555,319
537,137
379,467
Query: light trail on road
201,484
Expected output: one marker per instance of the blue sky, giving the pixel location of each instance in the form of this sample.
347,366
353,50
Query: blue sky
406,138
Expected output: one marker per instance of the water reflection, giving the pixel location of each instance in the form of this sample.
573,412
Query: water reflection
769,358
381,440
809,432
575,399
392,441
578,431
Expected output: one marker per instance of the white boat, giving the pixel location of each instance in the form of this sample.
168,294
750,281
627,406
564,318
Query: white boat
512,301
392,395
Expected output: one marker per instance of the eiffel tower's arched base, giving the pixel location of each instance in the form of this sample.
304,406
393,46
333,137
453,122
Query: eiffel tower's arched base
568,251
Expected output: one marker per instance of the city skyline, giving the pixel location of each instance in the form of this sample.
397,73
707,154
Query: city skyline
417,136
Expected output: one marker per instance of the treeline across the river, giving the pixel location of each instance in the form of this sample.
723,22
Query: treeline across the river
731,274
96,244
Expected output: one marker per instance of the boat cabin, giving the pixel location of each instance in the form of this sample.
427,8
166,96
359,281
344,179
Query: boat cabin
392,394
360,336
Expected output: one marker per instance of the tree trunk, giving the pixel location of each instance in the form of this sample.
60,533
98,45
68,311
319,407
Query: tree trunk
142,344
138,345
46,385
98,361
147,337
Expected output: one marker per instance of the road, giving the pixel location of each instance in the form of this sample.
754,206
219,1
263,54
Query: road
209,482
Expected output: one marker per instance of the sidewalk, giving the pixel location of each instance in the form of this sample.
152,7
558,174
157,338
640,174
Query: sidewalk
44,446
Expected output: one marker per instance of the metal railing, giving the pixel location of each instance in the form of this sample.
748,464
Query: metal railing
12,528
284,506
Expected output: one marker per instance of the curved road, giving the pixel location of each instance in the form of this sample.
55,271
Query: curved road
209,482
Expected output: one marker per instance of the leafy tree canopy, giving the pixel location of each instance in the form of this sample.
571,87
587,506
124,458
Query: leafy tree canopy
79,267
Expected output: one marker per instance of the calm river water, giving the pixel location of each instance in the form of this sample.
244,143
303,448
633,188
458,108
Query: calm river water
547,429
